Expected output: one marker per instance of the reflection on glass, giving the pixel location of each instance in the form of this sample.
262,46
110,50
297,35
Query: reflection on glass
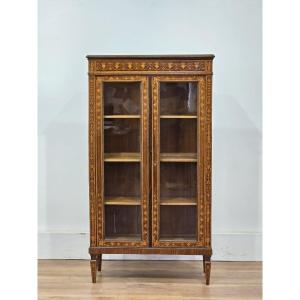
178,98
121,98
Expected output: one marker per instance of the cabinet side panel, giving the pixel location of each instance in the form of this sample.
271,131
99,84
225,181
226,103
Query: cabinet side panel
92,161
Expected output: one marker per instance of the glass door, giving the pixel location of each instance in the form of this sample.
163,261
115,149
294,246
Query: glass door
123,165
177,209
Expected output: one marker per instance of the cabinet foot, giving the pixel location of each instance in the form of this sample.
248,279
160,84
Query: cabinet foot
99,262
93,264
207,267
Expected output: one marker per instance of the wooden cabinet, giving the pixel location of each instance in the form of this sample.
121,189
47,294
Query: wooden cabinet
150,156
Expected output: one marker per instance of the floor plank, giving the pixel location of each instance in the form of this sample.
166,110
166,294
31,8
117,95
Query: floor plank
149,280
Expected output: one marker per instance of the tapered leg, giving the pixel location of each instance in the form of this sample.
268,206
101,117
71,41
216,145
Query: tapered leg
207,267
93,263
203,261
99,262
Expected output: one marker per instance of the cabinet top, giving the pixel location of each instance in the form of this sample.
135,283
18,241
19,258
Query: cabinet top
165,56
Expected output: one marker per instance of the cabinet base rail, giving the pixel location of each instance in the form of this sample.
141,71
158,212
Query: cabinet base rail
151,250
96,256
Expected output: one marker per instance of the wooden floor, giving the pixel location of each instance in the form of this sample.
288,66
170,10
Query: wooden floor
70,279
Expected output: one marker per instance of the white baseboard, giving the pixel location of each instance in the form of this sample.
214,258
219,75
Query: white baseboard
226,246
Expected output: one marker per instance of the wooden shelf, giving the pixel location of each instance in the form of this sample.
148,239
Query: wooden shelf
178,116
178,201
122,201
122,116
177,238
134,237
122,157
178,157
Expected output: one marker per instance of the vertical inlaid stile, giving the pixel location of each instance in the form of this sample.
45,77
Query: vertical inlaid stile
155,182
201,147
208,161
145,158
100,161
92,161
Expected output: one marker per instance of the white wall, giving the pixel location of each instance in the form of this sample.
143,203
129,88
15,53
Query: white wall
71,29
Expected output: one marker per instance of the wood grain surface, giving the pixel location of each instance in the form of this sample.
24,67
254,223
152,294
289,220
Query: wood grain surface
71,279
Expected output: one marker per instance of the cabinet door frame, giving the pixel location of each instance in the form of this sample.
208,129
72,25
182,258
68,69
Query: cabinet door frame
144,163
201,164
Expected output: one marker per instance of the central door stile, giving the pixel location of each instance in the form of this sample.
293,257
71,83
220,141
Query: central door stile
150,153
155,162
145,161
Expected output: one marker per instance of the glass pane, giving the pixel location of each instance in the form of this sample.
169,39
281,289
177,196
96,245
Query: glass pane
122,166
121,135
178,161
178,98
123,222
121,98
178,180
178,191
178,222
178,135
122,179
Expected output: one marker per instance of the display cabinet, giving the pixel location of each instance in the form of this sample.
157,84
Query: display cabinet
150,156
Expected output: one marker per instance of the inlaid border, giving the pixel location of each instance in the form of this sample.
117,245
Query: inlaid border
144,160
92,162
149,66
200,162
208,159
